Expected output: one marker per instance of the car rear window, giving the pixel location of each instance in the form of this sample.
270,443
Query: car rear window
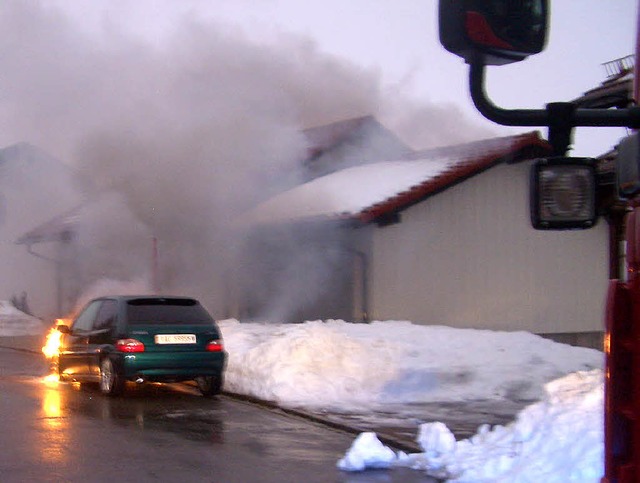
166,311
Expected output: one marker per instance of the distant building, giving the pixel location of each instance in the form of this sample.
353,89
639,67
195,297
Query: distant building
34,187
615,92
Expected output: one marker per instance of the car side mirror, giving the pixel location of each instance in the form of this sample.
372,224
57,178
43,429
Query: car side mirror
493,33
64,329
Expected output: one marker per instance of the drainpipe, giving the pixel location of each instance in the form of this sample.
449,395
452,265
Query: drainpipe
615,220
364,265
155,286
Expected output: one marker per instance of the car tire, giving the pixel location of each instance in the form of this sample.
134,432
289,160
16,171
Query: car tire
209,385
111,383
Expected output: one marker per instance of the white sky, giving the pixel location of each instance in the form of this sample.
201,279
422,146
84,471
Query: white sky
400,39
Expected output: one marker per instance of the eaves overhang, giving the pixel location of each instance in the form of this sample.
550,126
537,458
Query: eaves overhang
524,147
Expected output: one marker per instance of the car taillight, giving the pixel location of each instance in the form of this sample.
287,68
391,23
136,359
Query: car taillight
129,345
215,346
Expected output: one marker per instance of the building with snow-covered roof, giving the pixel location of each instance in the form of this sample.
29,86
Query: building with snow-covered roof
437,237
34,187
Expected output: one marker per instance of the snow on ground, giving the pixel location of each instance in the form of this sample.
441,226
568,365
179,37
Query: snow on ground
338,364
13,322
559,439
335,364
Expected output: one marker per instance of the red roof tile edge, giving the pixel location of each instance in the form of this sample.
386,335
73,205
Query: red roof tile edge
522,147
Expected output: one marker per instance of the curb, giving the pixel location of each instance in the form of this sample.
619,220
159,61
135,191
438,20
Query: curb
27,346
18,349
309,416
23,343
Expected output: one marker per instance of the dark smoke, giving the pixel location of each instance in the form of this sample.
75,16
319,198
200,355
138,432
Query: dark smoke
173,140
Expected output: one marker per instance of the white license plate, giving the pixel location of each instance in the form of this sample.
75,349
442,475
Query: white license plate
175,339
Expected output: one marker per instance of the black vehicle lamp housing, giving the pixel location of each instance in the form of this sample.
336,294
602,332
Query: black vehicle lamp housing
563,194
628,166
493,33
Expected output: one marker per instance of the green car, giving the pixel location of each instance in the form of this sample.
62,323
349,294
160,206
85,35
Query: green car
143,338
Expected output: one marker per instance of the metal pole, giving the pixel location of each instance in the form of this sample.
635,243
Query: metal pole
154,266
629,117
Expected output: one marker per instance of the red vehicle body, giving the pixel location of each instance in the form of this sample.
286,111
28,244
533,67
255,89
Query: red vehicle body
622,349
622,377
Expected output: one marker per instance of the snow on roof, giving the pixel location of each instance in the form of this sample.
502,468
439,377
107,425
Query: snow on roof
348,192
365,192
370,191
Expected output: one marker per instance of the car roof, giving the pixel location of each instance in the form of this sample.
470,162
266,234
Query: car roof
126,298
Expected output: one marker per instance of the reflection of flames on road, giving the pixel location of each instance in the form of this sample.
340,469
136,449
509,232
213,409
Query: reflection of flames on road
54,428
54,447
52,343
53,377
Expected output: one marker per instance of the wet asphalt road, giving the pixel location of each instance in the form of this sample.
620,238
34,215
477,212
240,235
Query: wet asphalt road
66,433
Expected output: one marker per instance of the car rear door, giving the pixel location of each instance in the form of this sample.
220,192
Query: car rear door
101,334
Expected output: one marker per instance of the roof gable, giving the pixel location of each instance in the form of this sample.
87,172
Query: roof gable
348,143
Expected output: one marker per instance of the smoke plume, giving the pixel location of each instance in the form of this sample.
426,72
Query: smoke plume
173,140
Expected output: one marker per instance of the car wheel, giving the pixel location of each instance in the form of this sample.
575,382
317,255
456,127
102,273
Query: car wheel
111,383
209,385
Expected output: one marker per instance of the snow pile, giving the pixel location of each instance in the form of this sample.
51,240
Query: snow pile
367,452
304,364
13,322
559,439
335,363
338,363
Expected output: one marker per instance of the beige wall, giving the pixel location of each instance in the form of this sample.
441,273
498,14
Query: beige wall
468,257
